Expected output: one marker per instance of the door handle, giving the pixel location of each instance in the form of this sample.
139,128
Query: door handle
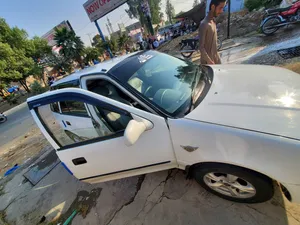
79,161
68,123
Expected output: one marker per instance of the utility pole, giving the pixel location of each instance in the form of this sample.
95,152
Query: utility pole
228,20
107,27
89,34
103,38
109,24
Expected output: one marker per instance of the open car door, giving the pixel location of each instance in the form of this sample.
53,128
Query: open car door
110,140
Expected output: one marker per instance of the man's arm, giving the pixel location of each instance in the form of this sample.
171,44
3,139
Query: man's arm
202,34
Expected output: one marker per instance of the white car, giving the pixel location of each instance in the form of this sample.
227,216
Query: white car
234,128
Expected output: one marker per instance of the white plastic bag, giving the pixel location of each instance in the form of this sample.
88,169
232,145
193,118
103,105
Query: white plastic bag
286,3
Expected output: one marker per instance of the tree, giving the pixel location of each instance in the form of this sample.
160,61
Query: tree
91,53
98,44
123,40
196,2
58,62
113,44
40,51
135,11
170,11
71,45
161,16
155,10
15,51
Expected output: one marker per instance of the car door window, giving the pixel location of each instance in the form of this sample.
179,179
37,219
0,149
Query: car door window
107,89
105,125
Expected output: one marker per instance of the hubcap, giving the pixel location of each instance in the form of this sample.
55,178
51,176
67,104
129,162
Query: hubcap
229,185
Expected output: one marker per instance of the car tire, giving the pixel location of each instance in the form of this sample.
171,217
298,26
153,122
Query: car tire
246,181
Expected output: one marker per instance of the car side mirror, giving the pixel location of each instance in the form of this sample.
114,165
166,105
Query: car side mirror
134,130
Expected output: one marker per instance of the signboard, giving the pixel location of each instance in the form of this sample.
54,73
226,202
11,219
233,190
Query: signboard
96,9
49,36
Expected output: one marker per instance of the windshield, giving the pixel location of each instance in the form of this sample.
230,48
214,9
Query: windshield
166,81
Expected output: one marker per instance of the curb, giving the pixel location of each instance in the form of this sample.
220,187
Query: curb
15,108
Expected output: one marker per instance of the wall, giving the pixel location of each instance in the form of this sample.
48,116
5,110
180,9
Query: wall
236,5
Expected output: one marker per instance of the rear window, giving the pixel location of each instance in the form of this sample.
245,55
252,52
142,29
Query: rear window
70,84
72,108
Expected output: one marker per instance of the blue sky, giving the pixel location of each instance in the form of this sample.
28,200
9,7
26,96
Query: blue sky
37,17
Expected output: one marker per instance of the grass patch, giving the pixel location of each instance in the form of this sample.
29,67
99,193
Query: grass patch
3,218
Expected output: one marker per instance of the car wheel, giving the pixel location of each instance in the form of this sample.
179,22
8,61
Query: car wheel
234,183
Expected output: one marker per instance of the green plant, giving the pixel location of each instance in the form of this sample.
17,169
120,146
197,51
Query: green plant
36,88
256,4
12,99
253,4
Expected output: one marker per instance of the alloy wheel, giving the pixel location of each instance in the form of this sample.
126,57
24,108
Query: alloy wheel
229,185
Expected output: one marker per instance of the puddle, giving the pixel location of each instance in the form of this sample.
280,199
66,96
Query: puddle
42,168
83,203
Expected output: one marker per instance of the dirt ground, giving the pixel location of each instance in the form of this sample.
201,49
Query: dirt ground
22,149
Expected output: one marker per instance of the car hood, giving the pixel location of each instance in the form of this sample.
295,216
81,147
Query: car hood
259,98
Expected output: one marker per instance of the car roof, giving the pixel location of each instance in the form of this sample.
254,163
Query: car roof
103,67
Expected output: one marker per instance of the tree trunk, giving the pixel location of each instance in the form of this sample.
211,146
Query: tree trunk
23,83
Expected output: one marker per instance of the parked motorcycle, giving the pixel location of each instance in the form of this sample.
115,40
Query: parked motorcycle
276,18
189,46
3,118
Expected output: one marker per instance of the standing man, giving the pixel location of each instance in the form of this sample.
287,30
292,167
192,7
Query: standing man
208,33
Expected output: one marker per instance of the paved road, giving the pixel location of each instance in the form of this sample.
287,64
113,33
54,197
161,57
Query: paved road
18,123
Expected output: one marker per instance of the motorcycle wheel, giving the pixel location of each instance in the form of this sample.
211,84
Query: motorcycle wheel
3,119
267,26
186,48
219,44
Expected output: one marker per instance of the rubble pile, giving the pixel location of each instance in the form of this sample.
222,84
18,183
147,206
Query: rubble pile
241,23
173,45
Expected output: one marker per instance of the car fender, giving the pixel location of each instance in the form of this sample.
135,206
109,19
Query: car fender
199,142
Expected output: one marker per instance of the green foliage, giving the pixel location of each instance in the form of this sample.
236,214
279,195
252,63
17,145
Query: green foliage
256,4
37,88
123,40
72,46
58,62
91,53
155,10
17,54
170,11
12,99
40,48
113,44
135,11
